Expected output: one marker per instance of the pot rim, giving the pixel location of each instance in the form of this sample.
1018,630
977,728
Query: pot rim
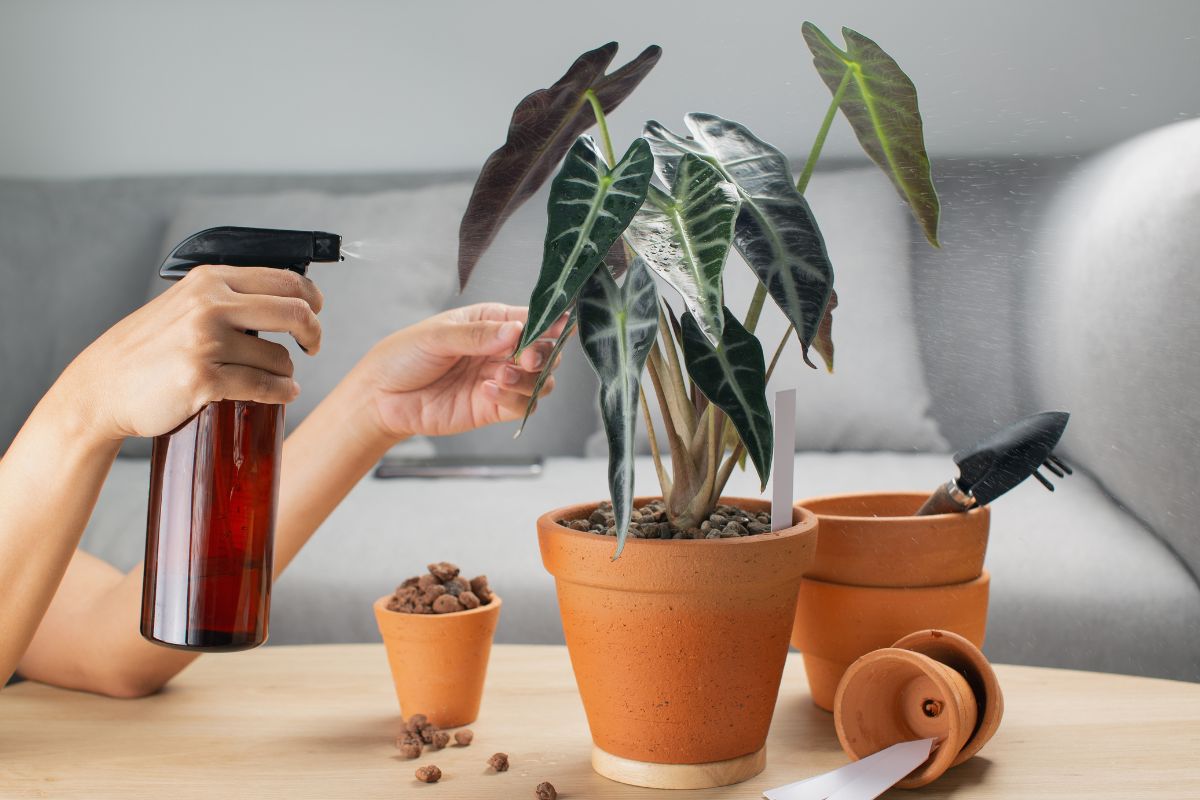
380,605
976,511
807,520
984,577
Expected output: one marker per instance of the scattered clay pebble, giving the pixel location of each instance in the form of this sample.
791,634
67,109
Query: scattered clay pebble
499,762
442,590
429,774
410,746
463,738
545,791
440,740
415,723
428,732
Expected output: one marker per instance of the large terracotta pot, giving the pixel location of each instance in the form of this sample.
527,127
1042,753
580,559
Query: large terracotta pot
439,661
881,573
678,647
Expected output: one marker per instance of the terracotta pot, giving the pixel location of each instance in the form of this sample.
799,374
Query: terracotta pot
836,624
893,695
678,646
931,683
966,659
872,539
439,661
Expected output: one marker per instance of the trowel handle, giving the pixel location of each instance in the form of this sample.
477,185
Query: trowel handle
948,499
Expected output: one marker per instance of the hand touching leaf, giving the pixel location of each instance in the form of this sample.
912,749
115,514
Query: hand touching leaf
617,328
685,236
590,206
880,102
544,125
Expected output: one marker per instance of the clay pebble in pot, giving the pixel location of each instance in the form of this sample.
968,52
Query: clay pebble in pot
439,661
898,694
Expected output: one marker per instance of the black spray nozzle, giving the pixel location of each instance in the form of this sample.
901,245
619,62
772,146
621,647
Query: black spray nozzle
251,247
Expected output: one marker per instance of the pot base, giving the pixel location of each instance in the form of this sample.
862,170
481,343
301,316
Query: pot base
678,776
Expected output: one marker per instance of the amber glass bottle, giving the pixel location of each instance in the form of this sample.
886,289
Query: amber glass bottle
213,486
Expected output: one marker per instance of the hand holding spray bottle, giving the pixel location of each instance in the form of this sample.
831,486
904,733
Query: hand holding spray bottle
214,480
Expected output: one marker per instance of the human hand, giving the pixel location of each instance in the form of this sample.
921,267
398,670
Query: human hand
453,372
188,347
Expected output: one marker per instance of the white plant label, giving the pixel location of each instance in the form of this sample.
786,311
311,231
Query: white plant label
859,780
783,470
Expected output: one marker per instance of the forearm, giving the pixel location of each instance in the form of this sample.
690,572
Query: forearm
49,481
323,459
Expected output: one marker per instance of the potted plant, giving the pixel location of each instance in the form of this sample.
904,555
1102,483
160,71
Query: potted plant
678,630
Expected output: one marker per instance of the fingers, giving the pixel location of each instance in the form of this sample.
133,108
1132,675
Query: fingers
510,402
268,281
533,358
448,337
281,315
238,382
250,351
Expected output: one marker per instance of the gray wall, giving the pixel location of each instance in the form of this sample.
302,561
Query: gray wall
129,87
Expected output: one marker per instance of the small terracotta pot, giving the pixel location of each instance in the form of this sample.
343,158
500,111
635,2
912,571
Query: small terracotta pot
932,683
836,624
891,696
872,539
439,661
678,646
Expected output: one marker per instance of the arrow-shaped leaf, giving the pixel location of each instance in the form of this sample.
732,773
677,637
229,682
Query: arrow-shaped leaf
548,367
617,327
589,208
775,230
732,376
880,102
685,236
543,127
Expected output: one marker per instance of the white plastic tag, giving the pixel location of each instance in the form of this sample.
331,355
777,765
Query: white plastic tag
784,467
859,780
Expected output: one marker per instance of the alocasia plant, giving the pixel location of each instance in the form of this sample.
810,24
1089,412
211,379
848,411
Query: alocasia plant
721,187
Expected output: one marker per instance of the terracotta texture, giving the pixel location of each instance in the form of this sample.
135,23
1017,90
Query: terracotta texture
965,658
836,624
439,661
893,695
873,540
678,647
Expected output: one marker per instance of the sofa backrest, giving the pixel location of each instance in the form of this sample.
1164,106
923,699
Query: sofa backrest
1114,326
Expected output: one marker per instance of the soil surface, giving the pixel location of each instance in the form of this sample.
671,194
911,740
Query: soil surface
650,522
440,591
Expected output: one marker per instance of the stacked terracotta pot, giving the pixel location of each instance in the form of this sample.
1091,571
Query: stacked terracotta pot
881,573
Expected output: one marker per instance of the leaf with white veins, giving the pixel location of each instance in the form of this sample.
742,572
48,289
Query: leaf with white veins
589,207
775,230
685,236
733,377
548,368
617,328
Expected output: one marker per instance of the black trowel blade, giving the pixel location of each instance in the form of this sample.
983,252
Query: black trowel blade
1009,456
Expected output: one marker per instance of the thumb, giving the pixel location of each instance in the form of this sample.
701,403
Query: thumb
479,338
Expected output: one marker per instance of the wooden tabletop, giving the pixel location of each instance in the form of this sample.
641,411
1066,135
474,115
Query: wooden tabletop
319,722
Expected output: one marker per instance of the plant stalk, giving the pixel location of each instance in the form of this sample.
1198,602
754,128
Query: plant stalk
602,122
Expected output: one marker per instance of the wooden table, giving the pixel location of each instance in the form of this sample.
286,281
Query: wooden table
319,722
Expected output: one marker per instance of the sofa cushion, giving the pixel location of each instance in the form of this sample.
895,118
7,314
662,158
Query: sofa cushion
1117,327
1076,581
876,399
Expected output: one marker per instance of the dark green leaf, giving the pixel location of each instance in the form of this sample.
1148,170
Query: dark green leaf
590,206
548,367
880,102
733,378
617,327
543,127
823,344
685,236
775,230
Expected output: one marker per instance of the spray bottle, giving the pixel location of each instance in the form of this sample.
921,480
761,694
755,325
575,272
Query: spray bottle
214,480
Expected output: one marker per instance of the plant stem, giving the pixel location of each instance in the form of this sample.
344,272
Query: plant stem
602,122
779,351
664,480
810,164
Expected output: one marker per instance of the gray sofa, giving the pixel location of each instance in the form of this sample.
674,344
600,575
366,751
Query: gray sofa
1058,286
